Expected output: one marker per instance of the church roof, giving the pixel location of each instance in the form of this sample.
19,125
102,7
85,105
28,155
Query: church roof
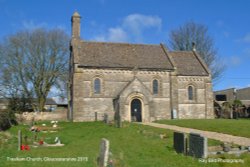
188,63
123,55
141,56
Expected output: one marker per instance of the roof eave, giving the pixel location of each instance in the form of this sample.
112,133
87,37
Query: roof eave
125,68
198,75
168,56
204,65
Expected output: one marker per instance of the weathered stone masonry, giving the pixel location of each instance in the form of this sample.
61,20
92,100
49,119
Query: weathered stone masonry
126,72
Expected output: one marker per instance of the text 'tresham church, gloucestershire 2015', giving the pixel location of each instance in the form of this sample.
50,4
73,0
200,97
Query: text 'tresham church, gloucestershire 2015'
141,82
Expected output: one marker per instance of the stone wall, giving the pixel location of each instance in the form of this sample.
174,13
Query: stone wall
209,101
126,85
120,83
42,116
202,104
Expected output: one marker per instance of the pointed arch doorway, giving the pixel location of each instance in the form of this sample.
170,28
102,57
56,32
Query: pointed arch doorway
136,110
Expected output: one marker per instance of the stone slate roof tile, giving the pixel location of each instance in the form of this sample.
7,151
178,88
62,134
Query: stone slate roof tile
141,56
188,64
123,55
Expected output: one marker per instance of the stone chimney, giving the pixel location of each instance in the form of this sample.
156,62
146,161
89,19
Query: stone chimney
75,25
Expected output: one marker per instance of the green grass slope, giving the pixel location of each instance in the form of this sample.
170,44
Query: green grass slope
131,146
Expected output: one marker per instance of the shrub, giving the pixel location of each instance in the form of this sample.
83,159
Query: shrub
7,119
4,122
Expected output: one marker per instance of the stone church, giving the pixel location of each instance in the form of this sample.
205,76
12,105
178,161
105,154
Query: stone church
139,82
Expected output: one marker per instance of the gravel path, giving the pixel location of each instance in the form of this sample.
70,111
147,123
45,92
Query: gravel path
243,141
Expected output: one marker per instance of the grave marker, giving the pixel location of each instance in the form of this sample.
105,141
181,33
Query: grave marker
180,144
106,120
104,153
197,145
19,139
96,116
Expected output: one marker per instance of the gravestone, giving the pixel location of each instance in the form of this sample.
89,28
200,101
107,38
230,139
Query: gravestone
118,120
197,145
19,139
104,153
106,119
174,114
242,147
25,139
226,147
180,144
96,116
57,140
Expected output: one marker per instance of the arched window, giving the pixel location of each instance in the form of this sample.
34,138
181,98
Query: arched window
97,86
155,87
190,93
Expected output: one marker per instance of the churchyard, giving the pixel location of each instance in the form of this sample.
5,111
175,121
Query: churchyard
132,145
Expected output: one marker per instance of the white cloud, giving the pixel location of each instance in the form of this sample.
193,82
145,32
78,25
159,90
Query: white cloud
114,34
223,28
117,34
100,38
102,1
220,23
234,61
131,28
226,34
137,22
245,39
247,52
30,24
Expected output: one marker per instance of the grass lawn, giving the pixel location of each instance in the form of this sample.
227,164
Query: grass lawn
131,146
240,127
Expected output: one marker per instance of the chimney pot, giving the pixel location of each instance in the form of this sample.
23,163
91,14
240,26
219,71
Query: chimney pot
193,46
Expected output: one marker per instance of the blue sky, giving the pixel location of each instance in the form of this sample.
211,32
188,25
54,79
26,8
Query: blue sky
144,21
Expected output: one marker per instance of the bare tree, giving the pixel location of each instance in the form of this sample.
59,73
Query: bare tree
33,62
183,38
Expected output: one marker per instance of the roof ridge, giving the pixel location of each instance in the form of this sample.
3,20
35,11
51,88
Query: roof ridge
224,89
121,43
244,88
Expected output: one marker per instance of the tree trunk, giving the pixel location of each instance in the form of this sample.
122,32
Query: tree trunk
41,103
